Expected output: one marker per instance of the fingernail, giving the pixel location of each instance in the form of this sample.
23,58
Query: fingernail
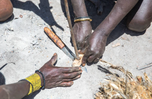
54,54
72,83
83,64
79,76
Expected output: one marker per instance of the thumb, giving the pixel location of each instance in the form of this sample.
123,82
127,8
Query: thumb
53,59
83,51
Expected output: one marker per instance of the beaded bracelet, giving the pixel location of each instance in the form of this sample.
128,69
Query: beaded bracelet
82,19
43,87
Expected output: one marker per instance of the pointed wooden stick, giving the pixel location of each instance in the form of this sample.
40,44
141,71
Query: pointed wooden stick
71,30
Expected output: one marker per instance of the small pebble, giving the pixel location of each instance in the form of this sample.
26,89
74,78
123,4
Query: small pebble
10,29
116,45
16,18
21,16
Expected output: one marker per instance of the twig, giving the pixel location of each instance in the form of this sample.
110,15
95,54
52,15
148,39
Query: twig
126,84
71,30
147,66
129,75
6,64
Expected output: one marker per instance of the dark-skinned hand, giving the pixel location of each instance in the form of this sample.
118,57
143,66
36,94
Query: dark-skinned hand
82,30
59,76
95,49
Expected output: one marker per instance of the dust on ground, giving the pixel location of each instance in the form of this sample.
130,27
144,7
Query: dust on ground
24,42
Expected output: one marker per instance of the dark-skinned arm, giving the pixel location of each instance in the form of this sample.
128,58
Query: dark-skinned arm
54,77
119,11
14,91
6,9
98,39
81,29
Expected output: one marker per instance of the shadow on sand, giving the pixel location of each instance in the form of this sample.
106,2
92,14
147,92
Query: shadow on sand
97,19
42,11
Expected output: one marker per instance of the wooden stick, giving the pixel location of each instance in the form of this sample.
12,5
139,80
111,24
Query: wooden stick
71,30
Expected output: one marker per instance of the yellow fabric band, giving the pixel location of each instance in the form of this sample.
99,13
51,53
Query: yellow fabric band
35,82
31,89
82,19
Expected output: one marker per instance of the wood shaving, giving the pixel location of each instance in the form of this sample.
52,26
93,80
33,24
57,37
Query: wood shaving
116,45
76,62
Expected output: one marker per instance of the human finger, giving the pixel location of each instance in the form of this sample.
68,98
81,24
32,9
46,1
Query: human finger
66,84
81,45
92,57
71,75
67,80
84,44
85,57
53,59
83,50
96,60
70,69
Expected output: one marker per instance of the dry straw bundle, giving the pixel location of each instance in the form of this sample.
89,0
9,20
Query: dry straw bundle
125,87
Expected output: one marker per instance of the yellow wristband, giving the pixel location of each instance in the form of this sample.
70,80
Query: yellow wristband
30,90
35,82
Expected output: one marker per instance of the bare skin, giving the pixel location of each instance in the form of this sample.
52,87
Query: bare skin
84,27
6,9
143,17
95,45
54,77
97,40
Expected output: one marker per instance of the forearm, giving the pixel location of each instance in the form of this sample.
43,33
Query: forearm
79,8
22,88
14,91
119,11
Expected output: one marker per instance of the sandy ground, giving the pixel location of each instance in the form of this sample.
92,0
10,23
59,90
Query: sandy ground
24,42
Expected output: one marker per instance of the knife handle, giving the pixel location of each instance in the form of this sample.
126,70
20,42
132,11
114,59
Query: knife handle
54,37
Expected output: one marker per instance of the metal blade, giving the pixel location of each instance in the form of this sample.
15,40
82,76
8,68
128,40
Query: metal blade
84,69
71,52
68,52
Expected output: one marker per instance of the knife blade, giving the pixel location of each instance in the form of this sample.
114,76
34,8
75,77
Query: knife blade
59,43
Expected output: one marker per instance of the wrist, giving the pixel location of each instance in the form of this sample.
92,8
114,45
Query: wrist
106,26
34,82
80,19
26,86
102,32
40,78
83,23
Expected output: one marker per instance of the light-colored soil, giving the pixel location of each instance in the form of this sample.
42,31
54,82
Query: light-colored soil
24,42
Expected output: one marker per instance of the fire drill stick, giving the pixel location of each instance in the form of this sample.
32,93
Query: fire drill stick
71,30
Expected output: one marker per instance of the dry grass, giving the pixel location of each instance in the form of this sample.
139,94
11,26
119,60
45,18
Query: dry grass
125,87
